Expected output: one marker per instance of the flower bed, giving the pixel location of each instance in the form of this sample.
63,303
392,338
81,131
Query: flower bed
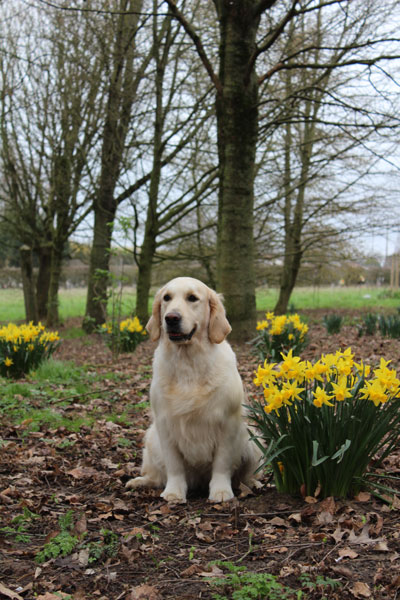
322,422
24,347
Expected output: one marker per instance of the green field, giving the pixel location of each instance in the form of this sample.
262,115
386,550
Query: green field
334,298
72,301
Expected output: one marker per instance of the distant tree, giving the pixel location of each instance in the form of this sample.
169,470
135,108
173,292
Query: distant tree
50,112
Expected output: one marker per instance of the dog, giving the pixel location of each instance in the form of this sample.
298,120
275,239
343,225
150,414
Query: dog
198,435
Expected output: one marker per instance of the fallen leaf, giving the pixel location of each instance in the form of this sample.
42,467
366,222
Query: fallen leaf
83,557
245,491
80,526
325,517
363,497
347,553
310,500
144,592
213,572
9,593
375,528
343,571
295,517
363,538
278,521
83,472
192,570
395,503
328,505
360,590
338,534
381,546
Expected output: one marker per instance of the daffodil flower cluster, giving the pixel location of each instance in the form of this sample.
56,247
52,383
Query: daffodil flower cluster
322,422
280,333
24,347
125,336
333,378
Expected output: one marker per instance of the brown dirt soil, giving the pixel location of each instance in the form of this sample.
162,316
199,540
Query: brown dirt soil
164,551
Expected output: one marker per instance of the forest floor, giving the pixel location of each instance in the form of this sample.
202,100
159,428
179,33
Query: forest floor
69,529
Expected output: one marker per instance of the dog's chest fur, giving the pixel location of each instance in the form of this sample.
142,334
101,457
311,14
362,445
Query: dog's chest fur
193,408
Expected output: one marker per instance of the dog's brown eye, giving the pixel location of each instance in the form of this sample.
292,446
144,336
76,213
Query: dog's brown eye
167,297
192,298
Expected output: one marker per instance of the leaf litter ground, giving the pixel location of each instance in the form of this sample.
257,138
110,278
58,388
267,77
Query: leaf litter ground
133,545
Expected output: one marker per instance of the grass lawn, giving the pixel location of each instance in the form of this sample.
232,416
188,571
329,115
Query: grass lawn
331,298
72,301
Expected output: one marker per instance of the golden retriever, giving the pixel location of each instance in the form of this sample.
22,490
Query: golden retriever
198,434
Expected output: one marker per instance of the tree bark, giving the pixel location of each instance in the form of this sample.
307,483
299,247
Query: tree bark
28,284
53,318
43,280
149,245
237,120
119,106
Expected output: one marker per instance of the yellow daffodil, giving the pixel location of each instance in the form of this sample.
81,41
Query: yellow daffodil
340,390
321,397
264,374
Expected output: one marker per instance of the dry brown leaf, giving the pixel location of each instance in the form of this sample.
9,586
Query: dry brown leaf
338,534
328,505
144,592
363,497
382,546
245,491
80,526
83,472
295,517
192,570
345,571
9,593
310,500
205,538
363,538
213,572
324,517
361,590
347,553
395,503
376,527
278,521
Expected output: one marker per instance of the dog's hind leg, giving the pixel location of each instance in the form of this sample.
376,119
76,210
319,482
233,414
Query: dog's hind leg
152,472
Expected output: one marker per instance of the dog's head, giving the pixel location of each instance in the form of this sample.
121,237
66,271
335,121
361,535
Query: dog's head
186,309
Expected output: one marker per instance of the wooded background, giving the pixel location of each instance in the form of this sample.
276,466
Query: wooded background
226,133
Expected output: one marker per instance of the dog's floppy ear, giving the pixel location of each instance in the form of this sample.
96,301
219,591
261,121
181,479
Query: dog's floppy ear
218,327
153,325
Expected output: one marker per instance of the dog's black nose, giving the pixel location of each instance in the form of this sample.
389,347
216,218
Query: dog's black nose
173,319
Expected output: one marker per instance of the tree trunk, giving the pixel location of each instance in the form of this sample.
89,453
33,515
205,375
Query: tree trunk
43,280
237,119
28,284
121,95
53,318
151,230
96,304
144,277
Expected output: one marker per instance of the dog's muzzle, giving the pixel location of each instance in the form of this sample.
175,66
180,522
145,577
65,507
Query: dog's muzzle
174,332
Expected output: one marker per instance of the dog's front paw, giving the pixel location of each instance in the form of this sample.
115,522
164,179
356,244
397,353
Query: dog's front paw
221,495
175,492
220,489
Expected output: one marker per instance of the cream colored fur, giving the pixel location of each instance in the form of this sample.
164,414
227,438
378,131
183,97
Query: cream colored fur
198,434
